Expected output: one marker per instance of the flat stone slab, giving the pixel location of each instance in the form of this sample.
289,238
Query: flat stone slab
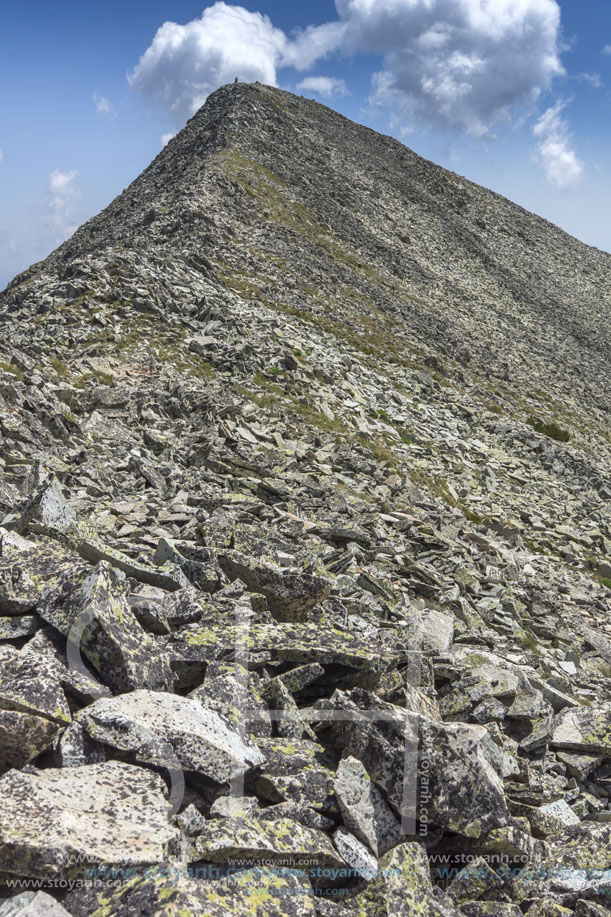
250,838
259,891
166,729
586,729
92,612
53,821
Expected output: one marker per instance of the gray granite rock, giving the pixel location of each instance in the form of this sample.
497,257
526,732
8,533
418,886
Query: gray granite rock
165,729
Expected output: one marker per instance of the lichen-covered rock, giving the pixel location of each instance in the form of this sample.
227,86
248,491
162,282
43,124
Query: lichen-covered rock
297,770
17,626
364,810
355,853
290,596
584,729
25,572
33,707
231,806
299,643
29,683
252,839
401,888
91,611
288,719
473,881
234,693
577,864
547,907
111,814
76,680
23,737
162,612
490,909
444,769
260,891
166,729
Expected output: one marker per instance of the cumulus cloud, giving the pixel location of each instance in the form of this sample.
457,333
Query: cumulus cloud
455,64
554,149
185,63
325,86
165,138
1,156
59,205
102,105
606,49
458,64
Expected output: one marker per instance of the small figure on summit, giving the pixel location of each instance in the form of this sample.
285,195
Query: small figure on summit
236,80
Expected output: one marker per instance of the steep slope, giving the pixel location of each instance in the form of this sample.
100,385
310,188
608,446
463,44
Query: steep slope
310,438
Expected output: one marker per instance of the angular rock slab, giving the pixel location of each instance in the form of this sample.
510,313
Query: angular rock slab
49,645
93,613
166,729
401,888
290,596
25,571
265,893
577,865
33,707
113,814
23,737
33,904
422,766
298,643
233,692
29,683
250,838
584,729
364,810
295,769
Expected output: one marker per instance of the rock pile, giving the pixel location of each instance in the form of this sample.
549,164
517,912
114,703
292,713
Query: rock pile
305,542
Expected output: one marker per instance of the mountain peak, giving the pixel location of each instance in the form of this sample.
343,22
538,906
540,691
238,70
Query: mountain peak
304,499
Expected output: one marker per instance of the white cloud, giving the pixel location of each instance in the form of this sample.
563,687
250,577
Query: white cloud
325,86
606,49
103,106
1,156
59,205
165,138
456,64
554,149
592,78
185,63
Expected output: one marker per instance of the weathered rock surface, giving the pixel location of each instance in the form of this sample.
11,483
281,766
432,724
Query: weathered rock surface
32,904
92,613
363,808
305,539
109,814
164,729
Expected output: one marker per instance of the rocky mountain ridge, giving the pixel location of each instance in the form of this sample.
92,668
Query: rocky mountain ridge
306,540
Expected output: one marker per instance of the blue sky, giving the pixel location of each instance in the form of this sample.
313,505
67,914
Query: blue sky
513,94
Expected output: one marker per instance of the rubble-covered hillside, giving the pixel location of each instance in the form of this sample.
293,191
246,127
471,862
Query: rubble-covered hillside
305,542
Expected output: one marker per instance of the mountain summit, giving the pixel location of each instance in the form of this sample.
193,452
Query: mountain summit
305,540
